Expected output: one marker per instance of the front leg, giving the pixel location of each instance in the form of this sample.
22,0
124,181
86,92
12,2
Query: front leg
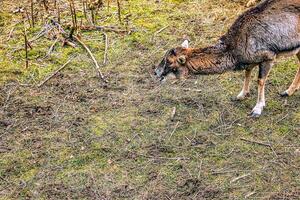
264,69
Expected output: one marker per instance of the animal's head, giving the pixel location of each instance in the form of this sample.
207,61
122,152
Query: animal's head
174,63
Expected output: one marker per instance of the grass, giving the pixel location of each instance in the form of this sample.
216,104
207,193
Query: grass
73,139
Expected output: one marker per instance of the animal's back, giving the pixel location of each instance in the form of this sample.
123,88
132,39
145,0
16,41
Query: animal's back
273,26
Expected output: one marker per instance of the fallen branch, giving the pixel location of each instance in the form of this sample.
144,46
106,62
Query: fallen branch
97,67
54,73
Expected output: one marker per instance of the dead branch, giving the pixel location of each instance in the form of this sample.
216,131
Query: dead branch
97,67
54,73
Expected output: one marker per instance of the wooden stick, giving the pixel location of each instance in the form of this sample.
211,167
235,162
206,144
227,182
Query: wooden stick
54,73
97,67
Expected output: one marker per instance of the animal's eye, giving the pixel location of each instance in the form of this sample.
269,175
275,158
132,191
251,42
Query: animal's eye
174,70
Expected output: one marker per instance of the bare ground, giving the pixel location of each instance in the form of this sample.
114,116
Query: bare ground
73,138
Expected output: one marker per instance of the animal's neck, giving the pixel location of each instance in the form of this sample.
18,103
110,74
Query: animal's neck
211,60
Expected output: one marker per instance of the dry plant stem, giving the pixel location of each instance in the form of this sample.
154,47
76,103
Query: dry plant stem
45,5
54,73
239,177
84,8
51,48
108,5
73,13
26,46
173,113
10,33
161,30
256,142
32,13
106,48
58,13
102,28
28,18
97,67
119,10
174,130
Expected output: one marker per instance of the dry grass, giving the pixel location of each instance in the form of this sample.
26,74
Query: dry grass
74,139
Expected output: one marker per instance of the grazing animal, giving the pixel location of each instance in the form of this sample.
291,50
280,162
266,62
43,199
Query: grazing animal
257,38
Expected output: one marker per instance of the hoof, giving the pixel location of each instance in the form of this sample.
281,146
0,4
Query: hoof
235,99
254,115
241,97
284,94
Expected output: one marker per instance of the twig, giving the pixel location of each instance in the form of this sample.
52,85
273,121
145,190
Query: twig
106,48
54,73
168,158
256,142
119,10
249,194
32,13
161,30
102,28
193,90
173,113
26,46
176,125
10,33
51,48
93,58
239,177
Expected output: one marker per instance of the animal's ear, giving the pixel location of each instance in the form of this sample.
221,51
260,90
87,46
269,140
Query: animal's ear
185,44
181,59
